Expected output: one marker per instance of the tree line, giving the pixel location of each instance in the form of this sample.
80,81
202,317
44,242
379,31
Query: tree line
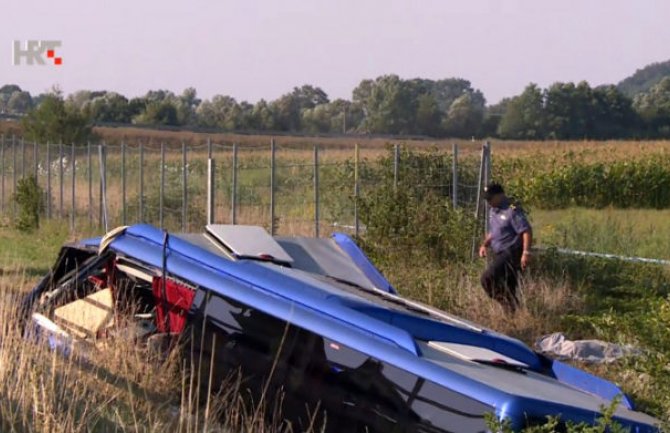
385,105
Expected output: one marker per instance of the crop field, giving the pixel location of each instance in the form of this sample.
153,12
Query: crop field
608,197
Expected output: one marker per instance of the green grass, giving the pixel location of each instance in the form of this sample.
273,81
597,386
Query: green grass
629,232
33,253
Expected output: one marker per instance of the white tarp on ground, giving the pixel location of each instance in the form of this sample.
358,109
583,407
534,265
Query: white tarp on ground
559,347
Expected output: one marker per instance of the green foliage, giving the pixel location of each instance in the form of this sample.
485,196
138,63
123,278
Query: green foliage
567,181
30,201
604,424
417,213
172,201
568,111
523,116
54,120
645,78
437,108
654,108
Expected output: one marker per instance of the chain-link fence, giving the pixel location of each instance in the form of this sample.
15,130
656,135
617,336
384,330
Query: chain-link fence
289,190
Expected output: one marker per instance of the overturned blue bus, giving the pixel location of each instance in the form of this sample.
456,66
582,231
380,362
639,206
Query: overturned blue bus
311,318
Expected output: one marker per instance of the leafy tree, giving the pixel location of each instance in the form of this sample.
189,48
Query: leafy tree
492,116
387,104
53,120
220,112
613,114
158,113
336,116
263,116
157,107
644,79
428,115
187,104
654,108
288,108
465,115
446,91
110,107
524,115
19,102
6,93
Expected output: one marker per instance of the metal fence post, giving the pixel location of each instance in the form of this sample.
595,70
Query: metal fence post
23,157
124,215
48,164
487,180
60,179
89,173
356,190
141,209
73,157
103,185
211,168
36,159
454,176
316,190
184,191
479,198
272,186
233,200
3,167
14,171
162,187
396,165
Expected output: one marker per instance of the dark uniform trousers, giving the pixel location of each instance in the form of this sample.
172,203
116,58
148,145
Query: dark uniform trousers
501,278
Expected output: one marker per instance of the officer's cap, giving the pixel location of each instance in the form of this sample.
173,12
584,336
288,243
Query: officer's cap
492,190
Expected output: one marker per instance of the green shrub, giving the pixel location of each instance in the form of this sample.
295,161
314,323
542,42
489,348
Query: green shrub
30,201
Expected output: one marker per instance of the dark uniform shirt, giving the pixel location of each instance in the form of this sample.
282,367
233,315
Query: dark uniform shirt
507,223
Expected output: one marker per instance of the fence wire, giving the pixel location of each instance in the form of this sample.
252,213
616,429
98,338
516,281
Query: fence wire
308,191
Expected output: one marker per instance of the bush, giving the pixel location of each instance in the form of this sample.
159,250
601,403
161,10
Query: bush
30,201
415,213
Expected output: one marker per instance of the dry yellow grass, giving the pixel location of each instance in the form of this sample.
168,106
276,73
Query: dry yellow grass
111,385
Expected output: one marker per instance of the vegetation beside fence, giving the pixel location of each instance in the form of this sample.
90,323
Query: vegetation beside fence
567,180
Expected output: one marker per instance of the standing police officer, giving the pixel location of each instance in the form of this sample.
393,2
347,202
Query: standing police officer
510,238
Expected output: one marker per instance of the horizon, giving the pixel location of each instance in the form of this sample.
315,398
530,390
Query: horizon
262,50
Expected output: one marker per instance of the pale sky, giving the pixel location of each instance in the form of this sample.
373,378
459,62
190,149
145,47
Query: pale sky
252,49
